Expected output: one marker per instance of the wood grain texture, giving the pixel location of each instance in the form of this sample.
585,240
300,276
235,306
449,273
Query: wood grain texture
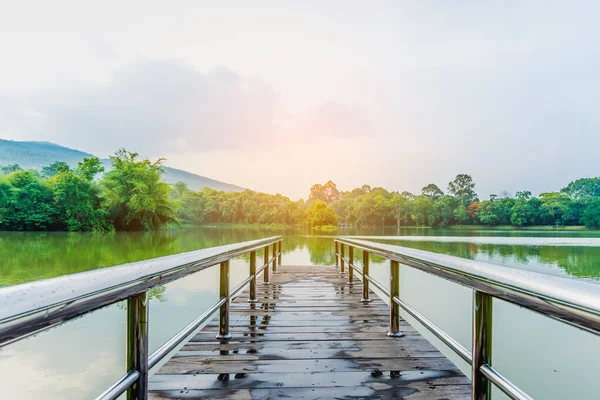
309,337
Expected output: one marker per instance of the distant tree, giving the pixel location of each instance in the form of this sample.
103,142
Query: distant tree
473,210
463,188
461,215
398,206
591,214
432,192
320,214
553,206
51,170
326,193
491,212
77,199
524,195
525,211
89,168
423,211
583,190
7,169
444,211
26,202
135,195
407,195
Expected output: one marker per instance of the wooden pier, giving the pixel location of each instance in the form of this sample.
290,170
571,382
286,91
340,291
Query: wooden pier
309,337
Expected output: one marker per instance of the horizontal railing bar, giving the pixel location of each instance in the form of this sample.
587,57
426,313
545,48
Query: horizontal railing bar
378,285
347,260
354,267
73,295
119,387
507,387
434,329
574,302
241,286
261,269
266,265
172,343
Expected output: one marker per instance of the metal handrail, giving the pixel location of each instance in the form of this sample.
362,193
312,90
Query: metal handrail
573,302
37,306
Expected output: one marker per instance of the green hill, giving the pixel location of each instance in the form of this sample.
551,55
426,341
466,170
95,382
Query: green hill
35,155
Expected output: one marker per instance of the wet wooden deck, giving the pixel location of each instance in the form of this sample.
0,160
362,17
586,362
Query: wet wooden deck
309,337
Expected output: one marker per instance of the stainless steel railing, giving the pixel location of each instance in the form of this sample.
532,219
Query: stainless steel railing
30,308
573,302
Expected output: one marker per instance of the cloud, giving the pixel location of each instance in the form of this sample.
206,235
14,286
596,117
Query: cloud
151,106
164,106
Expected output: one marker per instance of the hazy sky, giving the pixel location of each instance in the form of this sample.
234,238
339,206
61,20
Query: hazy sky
278,95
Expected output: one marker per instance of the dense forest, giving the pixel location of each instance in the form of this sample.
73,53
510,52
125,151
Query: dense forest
134,196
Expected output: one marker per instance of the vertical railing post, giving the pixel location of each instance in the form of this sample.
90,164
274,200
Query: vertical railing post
137,344
482,344
224,310
266,263
279,245
337,254
252,298
350,263
342,262
365,281
275,257
394,291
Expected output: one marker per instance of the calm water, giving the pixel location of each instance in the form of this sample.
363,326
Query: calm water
81,358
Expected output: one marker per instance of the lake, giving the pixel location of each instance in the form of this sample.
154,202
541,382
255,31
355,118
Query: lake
80,359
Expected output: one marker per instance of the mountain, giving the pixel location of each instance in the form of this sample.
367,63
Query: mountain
35,155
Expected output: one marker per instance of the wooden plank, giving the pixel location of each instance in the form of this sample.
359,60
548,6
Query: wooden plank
194,365
309,337
277,380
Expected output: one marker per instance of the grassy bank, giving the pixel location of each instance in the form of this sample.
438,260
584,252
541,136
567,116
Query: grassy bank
519,228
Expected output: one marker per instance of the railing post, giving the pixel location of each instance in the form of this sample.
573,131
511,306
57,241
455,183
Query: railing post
394,291
224,310
137,344
482,344
350,263
252,298
337,254
342,262
279,245
275,257
266,263
365,281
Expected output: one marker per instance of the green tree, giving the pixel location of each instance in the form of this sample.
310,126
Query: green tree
553,206
135,195
399,208
444,211
432,192
463,188
26,202
461,215
77,198
51,170
7,169
320,214
326,193
591,214
583,190
89,168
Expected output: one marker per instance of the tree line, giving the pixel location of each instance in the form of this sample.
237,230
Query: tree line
133,196
576,204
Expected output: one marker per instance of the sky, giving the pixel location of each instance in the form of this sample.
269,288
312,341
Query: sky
278,95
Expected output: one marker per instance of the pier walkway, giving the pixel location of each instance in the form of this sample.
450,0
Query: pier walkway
309,336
